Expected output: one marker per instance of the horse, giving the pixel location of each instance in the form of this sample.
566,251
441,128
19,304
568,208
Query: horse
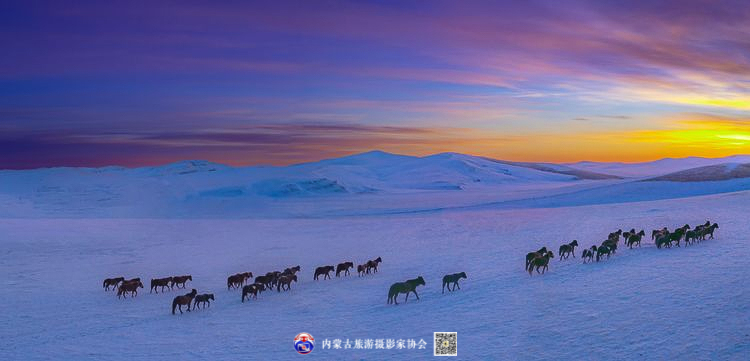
238,280
709,231
541,262
626,235
658,232
251,289
691,236
615,235
676,236
361,270
373,265
129,286
273,278
344,267
264,280
588,254
179,301
664,240
180,280
325,270
112,282
404,287
611,244
448,279
286,281
291,270
635,239
531,255
160,282
204,298
600,251
568,249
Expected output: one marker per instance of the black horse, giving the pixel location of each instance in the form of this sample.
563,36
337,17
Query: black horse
568,249
325,270
112,282
452,279
404,287
204,299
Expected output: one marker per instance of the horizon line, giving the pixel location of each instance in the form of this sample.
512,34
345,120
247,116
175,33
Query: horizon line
362,153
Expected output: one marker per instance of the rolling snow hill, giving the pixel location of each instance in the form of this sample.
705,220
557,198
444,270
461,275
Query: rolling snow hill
367,183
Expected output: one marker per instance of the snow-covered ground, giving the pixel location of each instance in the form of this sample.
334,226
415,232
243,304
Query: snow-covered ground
647,303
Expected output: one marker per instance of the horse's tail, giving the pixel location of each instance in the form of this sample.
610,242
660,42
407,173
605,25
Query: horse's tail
104,284
229,284
174,305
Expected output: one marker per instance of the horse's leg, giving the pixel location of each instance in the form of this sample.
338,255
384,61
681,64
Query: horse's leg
456,285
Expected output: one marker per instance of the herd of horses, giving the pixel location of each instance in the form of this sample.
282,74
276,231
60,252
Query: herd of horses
282,280
253,286
540,259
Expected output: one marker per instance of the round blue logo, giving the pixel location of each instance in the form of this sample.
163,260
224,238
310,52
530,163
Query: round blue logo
304,343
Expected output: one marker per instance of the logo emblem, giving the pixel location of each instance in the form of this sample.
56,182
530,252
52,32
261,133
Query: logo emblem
304,343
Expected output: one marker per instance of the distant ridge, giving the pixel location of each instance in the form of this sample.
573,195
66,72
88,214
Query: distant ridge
560,169
717,172
655,168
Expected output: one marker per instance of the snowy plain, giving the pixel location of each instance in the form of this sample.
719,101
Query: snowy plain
652,304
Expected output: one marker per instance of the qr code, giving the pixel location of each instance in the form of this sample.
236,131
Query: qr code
446,343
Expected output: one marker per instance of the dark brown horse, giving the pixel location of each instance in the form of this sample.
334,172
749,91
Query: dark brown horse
344,267
291,270
180,280
112,282
238,280
568,249
185,300
361,270
325,270
272,278
531,255
265,280
159,282
373,264
129,286
541,262
204,299
286,281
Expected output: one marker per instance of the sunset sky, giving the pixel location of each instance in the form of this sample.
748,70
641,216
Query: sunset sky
285,82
